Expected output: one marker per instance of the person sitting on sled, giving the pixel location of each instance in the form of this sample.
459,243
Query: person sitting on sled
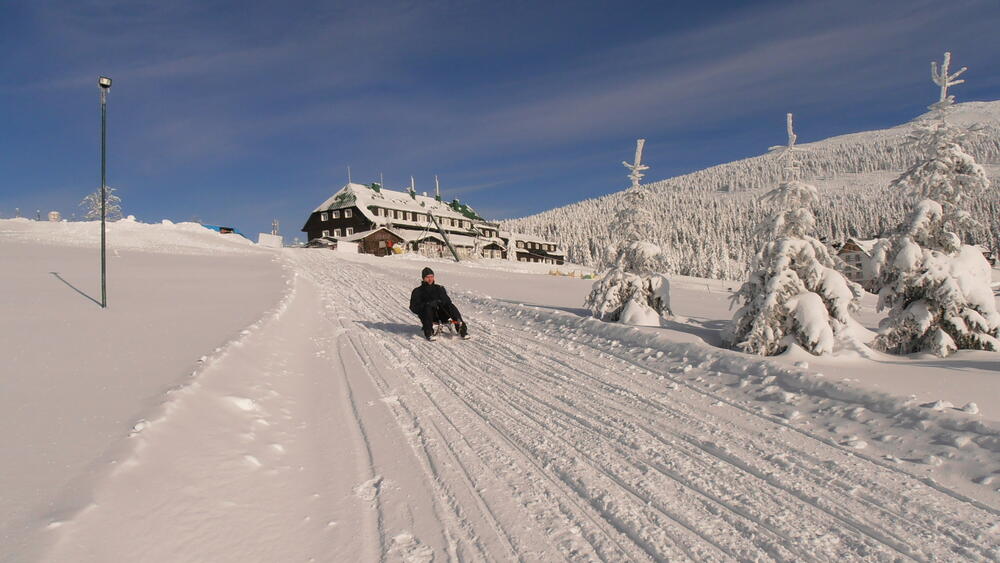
431,303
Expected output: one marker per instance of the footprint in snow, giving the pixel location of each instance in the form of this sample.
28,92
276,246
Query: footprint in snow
409,549
369,489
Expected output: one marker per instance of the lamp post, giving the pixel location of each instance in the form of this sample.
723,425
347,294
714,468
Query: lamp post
105,84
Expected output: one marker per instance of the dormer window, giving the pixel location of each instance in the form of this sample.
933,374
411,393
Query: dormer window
323,217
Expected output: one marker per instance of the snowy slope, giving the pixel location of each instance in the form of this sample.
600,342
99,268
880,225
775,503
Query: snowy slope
75,378
707,220
331,431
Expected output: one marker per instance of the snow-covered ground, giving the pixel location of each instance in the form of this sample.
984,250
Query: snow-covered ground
321,426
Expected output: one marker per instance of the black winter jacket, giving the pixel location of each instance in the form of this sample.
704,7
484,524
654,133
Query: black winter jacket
428,294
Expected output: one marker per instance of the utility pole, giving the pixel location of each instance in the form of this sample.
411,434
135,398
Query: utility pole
105,85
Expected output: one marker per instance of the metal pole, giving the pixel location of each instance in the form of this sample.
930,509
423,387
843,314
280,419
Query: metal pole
104,195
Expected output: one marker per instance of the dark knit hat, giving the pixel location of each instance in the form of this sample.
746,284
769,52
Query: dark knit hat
426,272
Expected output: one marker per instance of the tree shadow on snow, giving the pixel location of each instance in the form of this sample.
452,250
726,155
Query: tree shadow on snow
74,288
709,331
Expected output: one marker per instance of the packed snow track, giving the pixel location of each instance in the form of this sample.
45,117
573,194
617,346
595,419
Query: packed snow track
534,441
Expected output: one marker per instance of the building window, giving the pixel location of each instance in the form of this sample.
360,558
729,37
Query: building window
336,233
336,214
323,217
326,233
520,244
381,244
347,214
350,231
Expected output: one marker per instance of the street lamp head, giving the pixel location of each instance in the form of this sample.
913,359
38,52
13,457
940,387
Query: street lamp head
104,82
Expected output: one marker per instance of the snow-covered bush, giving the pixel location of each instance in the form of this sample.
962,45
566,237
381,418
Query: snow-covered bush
937,290
92,205
795,294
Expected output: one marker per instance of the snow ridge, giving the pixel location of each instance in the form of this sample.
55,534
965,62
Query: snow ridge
706,220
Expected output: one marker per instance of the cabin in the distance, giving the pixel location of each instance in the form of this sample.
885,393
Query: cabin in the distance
384,222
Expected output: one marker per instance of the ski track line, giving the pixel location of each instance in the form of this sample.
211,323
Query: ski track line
430,468
773,418
892,542
781,422
404,416
870,501
545,371
610,535
465,472
888,539
680,519
554,407
359,428
524,457
707,539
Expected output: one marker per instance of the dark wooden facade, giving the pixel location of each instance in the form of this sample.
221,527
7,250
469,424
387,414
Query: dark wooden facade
316,224
379,243
531,251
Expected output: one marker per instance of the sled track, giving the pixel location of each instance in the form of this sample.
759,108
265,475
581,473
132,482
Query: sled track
537,434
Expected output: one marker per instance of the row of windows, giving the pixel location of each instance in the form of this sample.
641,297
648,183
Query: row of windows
420,217
406,216
348,213
536,245
336,232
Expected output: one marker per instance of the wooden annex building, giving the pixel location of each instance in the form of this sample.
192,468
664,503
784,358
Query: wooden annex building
384,222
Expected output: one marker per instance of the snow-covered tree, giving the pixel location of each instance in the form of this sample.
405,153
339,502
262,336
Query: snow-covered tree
795,294
92,205
937,291
634,290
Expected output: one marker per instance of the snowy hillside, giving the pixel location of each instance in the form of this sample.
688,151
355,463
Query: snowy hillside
707,220
238,404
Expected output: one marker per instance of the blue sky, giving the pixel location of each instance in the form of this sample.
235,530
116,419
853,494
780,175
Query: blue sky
242,112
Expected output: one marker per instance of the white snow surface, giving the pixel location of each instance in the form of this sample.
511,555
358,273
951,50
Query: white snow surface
237,404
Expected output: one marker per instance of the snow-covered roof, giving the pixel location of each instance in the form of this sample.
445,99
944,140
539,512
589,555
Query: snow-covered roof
507,235
865,245
362,196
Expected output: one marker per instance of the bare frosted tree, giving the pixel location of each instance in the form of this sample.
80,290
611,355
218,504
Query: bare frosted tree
91,205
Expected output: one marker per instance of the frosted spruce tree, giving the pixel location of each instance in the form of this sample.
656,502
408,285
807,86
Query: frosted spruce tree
794,294
91,205
633,291
937,291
